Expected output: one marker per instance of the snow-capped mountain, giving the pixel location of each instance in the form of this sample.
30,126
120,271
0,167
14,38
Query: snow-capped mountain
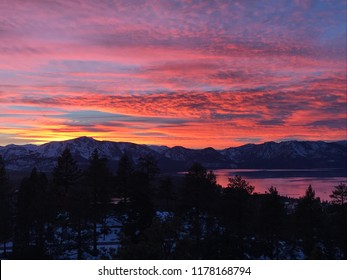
289,154
45,156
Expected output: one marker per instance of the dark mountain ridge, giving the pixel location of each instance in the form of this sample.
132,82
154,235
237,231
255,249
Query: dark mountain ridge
288,154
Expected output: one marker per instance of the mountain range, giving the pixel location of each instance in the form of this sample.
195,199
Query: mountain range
288,154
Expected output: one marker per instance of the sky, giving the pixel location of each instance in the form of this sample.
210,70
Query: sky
193,73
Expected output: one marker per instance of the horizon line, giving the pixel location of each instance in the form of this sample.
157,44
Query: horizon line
201,148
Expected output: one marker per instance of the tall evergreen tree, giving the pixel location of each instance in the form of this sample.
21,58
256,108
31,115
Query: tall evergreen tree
98,178
32,216
338,226
5,207
236,213
309,217
199,195
124,176
140,209
66,175
148,166
272,215
339,194
200,188
73,199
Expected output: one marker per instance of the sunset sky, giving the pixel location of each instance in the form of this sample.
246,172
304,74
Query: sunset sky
191,73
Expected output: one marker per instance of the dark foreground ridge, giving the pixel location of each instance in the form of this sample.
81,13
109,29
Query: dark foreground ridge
136,212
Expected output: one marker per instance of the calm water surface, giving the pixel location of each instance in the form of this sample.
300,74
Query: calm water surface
289,182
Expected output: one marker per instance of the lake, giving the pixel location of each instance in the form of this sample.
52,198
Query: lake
289,182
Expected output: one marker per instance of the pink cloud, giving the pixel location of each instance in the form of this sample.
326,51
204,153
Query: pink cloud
261,70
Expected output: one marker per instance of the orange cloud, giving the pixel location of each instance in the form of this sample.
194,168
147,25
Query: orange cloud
192,73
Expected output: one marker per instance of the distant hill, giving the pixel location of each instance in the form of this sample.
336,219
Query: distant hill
289,154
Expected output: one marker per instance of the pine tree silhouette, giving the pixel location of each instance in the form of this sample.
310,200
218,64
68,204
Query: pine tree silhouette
5,207
309,217
73,200
199,195
98,179
339,194
32,216
124,177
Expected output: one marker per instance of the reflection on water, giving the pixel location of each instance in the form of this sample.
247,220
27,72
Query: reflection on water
289,182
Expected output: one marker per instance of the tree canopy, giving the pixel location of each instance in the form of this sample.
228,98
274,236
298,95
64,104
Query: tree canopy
339,194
